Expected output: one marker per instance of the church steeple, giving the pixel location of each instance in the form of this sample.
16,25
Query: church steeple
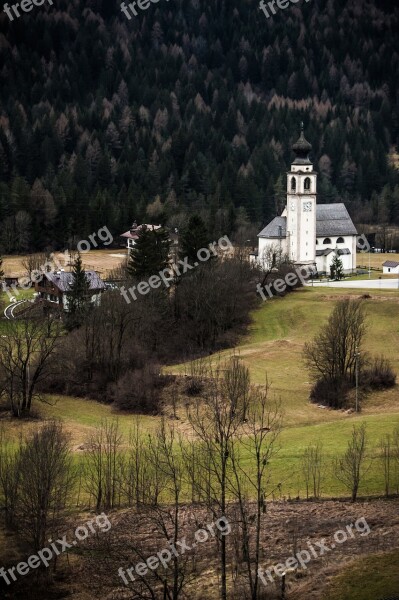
301,204
302,148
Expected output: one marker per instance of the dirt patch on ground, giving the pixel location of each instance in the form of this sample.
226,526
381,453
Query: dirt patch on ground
339,532
299,526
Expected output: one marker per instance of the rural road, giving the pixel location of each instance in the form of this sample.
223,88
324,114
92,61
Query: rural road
9,311
365,284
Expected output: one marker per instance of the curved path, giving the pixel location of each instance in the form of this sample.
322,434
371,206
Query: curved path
9,311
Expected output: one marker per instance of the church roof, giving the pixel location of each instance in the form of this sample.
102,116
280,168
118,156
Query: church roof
324,252
273,229
333,219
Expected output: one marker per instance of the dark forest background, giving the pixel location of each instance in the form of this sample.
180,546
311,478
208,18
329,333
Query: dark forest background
191,107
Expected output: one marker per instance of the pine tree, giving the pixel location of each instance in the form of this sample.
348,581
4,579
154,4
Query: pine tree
279,195
194,237
150,254
78,295
337,268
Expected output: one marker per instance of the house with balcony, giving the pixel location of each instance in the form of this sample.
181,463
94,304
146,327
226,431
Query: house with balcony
55,286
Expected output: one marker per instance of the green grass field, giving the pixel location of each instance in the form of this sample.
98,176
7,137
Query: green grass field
273,347
374,578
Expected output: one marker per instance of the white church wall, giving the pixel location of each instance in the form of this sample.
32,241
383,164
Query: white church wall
267,246
348,260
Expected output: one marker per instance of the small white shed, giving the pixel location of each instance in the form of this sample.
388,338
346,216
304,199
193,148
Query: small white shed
390,266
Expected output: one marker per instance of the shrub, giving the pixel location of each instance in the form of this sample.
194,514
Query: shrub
331,393
139,390
379,375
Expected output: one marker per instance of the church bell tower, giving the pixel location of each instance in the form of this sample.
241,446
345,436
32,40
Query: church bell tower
301,205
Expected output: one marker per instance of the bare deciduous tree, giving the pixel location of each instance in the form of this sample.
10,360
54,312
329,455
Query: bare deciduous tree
9,478
256,441
352,467
386,460
215,421
46,480
331,356
104,465
312,464
395,452
25,352
35,263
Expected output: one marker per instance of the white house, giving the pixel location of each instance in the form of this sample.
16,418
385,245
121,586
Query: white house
133,233
54,287
308,233
390,266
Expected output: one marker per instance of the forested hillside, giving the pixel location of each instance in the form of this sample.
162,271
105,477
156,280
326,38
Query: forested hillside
191,107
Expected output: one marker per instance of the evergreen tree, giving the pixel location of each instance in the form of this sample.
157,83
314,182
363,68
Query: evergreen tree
279,195
78,295
337,268
150,254
194,237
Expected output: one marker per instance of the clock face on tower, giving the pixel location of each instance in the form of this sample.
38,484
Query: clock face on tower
307,206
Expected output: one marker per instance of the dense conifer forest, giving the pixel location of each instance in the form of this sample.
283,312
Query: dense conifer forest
191,107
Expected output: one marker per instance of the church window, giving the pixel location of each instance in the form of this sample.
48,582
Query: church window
326,241
307,183
340,240
293,184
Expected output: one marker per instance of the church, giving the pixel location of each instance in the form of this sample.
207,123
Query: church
307,233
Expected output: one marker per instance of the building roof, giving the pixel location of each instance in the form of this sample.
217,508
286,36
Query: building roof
333,219
63,280
135,229
328,251
324,252
390,263
272,230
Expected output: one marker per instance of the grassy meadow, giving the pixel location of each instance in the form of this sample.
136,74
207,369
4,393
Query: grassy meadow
273,348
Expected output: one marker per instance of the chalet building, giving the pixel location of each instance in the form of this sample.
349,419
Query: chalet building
310,234
55,285
133,233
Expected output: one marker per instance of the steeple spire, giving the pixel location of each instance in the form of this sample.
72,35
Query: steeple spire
302,149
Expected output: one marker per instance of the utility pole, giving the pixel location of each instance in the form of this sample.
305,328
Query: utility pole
357,376
369,263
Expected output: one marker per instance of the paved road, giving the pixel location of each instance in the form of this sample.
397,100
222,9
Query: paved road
365,284
9,311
